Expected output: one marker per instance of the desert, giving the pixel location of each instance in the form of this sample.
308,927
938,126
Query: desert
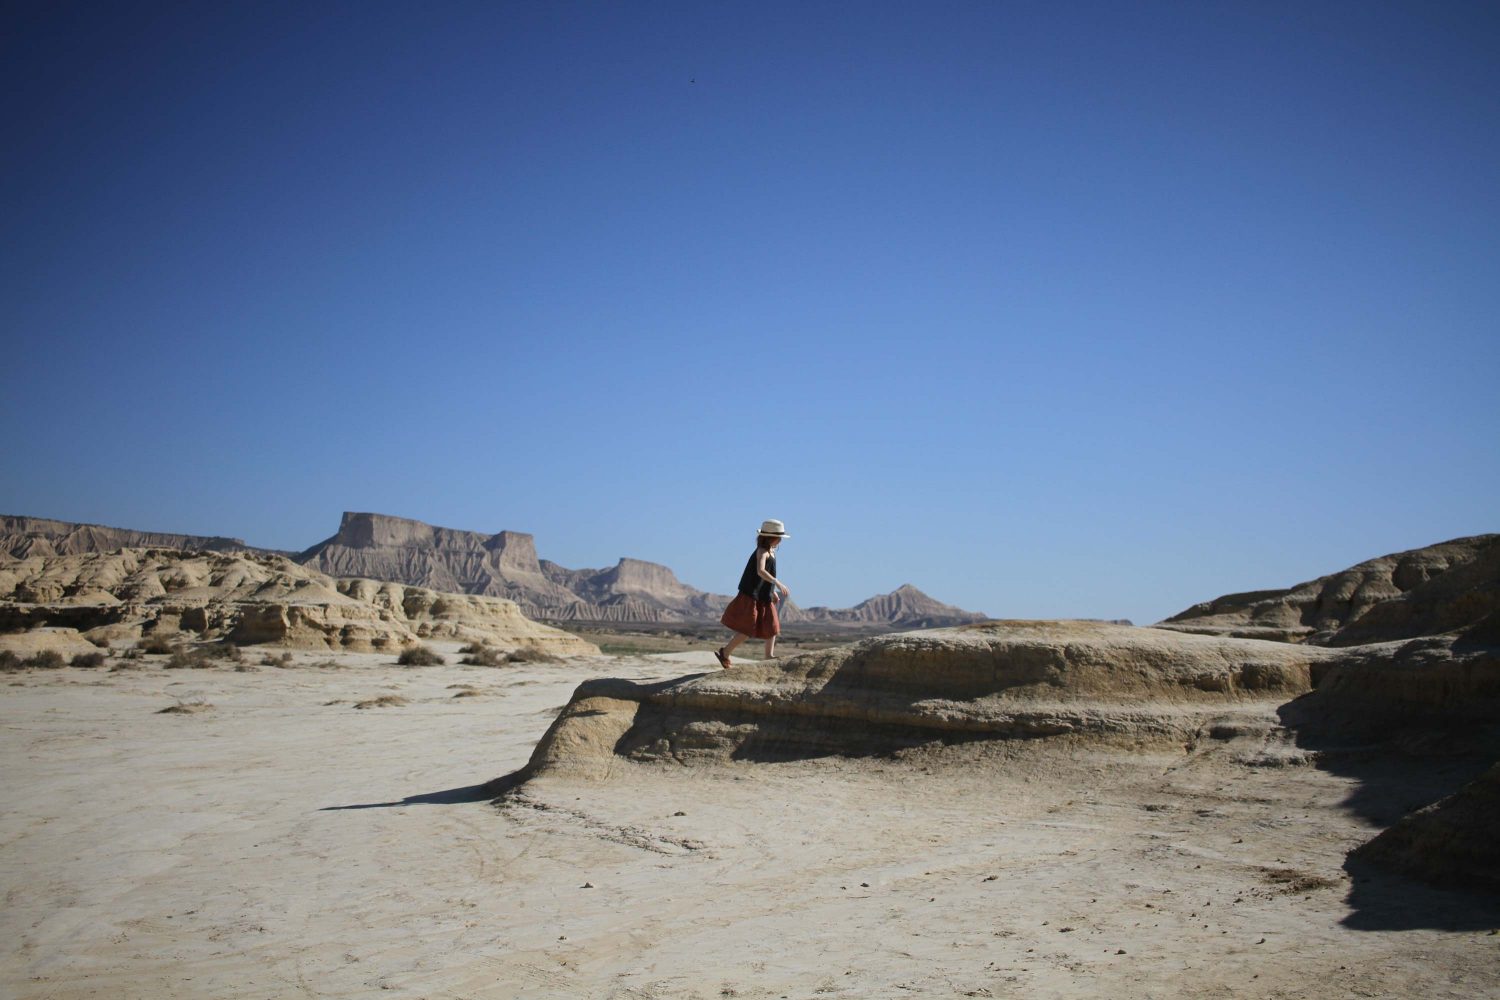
1027,808
680,501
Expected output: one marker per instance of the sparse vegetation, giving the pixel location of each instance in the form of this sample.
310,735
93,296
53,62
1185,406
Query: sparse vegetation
189,659
384,701
283,661
482,656
157,644
489,656
88,660
9,661
224,651
531,654
419,656
186,707
47,659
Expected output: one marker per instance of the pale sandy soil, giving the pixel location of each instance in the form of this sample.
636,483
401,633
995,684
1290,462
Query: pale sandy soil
285,844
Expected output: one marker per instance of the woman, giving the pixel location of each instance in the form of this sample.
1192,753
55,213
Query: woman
752,612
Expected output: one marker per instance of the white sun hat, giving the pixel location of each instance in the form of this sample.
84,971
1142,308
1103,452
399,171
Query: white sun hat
773,527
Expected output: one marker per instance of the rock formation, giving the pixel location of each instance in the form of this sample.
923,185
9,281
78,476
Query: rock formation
1418,592
38,536
248,598
998,680
632,590
1395,653
505,564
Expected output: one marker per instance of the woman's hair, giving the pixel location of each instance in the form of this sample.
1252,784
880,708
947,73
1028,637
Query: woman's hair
764,541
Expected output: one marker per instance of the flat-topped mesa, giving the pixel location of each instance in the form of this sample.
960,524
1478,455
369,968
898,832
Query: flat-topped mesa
998,680
381,547
514,550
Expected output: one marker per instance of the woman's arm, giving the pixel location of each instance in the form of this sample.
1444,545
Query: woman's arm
760,570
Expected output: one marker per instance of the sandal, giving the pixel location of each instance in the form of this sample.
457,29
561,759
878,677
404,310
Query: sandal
723,660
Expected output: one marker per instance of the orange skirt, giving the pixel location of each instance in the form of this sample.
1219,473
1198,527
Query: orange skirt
757,619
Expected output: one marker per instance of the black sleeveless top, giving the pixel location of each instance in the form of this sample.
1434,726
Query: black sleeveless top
751,584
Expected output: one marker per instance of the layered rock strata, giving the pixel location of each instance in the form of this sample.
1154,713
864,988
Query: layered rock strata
504,564
1000,680
39,536
248,598
1434,589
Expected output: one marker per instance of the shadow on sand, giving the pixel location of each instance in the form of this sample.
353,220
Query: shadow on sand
448,797
1398,770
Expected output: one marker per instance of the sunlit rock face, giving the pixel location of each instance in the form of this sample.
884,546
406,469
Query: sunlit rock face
249,598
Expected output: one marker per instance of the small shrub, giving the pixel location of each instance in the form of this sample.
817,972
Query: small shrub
186,708
88,660
158,644
384,701
532,654
49,659
189,659
474,647
419,656
9,661
283,661
224,651
131,654
483,656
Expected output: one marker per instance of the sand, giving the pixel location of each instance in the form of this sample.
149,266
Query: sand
283,843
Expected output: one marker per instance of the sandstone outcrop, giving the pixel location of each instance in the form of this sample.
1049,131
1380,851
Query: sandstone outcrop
249,598
1423,591
39,536
999,680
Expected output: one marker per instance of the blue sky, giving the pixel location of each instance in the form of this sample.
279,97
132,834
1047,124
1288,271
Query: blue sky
1050,309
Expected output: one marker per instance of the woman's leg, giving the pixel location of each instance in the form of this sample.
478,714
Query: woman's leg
771,648
734,643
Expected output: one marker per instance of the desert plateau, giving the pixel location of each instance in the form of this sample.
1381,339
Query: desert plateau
1281,794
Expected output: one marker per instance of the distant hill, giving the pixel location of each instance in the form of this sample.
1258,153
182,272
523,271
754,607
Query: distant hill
1435,589
505,564
905,607
39,536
